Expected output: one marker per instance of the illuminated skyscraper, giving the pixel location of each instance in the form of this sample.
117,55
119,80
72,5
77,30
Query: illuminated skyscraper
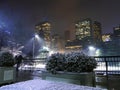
116,31
83,29
97,32
88,31
43,29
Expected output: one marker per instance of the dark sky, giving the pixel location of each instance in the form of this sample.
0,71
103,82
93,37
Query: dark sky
20,16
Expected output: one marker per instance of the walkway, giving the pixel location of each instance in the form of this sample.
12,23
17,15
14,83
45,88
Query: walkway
101,81
31,80
38,84
24,75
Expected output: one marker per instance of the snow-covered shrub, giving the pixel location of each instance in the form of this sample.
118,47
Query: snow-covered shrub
71,62
55,62
79,62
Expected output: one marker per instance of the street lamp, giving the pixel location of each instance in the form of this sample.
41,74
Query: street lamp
92,50
36,36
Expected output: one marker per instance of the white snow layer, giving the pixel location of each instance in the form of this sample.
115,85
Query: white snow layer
38,84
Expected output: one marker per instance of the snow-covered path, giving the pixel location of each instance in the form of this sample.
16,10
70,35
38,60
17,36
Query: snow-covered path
38,84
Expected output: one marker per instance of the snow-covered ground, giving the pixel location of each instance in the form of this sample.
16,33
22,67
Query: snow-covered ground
38,84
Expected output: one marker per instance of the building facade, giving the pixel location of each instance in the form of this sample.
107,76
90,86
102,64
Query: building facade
43,29
111,43
73,46
83,29
116,31
97,32
57,43
88,31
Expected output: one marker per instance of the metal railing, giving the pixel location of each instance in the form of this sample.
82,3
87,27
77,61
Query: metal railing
108,65
32,64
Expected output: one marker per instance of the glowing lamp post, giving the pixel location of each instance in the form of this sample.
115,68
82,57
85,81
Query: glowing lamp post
91,50
94,51
36,36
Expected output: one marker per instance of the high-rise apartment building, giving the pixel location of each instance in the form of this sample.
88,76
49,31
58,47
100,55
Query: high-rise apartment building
43,29
88,31
83,29
97,32
116,31
111,43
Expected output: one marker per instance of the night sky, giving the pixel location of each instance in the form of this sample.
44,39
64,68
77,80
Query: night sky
20,16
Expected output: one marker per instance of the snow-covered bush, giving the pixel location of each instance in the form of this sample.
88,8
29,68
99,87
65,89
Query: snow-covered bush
55,62
71,62
79,62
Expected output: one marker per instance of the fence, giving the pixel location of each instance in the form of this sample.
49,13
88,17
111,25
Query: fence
33,64
108,65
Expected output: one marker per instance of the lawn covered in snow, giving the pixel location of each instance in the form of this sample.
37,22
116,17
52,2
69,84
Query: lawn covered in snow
38,84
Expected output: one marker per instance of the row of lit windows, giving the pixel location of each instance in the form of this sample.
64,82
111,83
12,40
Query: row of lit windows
85,23
117,28
83,33
106,38
46,24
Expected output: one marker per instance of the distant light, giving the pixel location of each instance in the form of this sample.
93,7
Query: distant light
51,52
97,52
46,48
91,51
37,36
91,48
40,65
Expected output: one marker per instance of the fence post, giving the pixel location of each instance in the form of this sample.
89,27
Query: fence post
106,64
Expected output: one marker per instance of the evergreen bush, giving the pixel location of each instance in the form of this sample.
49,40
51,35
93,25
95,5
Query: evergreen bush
71,62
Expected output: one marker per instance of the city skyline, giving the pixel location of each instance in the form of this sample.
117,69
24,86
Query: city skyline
19,17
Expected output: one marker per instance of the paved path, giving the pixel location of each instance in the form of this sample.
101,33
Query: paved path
38,84
24,75
29,80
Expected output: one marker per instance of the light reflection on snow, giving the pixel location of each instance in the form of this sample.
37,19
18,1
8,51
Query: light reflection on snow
110,68
35,66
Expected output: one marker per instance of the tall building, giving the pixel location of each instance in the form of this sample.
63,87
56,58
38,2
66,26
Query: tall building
111,43
83,29
88,31
43,29
57,43
97,32
116,35
116,31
